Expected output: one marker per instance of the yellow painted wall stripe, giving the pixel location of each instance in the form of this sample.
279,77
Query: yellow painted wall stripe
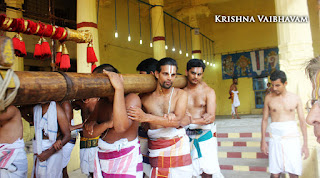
253,144
226,143
241,168
222,154
248,155
256,135
233,135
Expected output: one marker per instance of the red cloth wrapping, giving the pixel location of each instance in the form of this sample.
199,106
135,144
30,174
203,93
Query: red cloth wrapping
13,25
32,27
47,31
20,25
58,34
2,18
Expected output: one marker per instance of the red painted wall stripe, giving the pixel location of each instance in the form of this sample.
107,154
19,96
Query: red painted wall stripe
233,154
158,38
239,155
251,168
222,135
236,143
242,135
261,155
196,51
87,24
226,167
262,169
239,143
245,134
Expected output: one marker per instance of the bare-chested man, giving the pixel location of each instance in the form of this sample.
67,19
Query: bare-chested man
147,66
119,148
68,147
284,145
88,146
235,102
13,158
51,134
165,109
201,111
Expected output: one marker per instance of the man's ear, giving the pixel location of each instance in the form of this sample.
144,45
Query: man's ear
156,74
186,73
151,72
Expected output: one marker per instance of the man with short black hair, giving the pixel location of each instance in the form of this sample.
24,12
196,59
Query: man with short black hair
165,109
284,145
202,129
147,66
118,147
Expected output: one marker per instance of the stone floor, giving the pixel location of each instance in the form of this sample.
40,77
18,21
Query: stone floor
247,123
77,174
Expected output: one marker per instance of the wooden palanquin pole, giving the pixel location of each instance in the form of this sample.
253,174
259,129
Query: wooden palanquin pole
37,87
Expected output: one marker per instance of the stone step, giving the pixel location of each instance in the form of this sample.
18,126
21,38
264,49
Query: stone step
241,152
251,155
239,143
244,174
238,149
240,135
244,162
243,139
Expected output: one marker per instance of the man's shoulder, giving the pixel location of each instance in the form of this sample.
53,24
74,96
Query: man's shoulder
293,95
132,96
180,91
207,87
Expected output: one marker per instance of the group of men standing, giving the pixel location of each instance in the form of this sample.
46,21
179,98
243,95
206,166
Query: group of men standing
177,122
166,133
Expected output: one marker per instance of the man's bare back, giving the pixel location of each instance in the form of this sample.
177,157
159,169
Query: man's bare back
282,108
105,114
109,119
11,127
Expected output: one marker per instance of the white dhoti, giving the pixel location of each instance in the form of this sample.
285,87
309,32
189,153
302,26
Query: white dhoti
66,151
52,167
13,160
68,147
88,149
169,157
120,159
87,156
236,102
143,139
46,125
204,150
285,148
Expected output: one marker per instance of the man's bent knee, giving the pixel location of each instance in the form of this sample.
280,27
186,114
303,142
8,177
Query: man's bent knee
293,175
275,175
204,175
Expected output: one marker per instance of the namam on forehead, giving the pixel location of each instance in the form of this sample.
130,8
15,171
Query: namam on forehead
172,70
